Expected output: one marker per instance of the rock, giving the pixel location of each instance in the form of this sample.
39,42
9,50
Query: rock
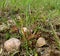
12,44
55,53
51,52
40,42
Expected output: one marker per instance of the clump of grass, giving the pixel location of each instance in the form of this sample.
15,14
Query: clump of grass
56,38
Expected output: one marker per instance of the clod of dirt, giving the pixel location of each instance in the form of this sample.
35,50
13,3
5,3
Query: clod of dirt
40,42
12,44
55,53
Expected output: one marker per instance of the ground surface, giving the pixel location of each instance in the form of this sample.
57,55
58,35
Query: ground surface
41,18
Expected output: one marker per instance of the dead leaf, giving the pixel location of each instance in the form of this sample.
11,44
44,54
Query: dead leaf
14,29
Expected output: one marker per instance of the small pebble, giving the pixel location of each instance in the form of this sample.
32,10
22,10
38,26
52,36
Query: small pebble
1,50
25,29
40,42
